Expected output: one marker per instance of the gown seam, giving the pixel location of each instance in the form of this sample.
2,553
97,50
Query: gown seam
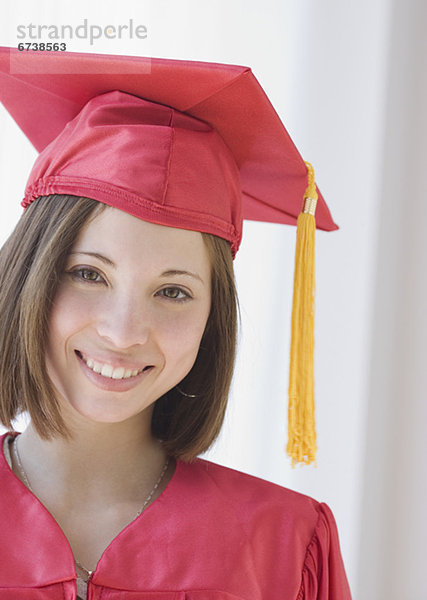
308,553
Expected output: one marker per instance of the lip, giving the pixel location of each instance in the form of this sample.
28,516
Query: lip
108,384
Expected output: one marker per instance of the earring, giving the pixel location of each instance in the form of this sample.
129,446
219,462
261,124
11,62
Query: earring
185,393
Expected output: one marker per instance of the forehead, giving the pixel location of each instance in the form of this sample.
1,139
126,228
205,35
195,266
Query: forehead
123,237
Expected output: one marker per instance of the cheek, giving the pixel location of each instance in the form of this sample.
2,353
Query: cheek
70,313
181,334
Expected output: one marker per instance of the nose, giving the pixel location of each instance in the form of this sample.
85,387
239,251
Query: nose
124,321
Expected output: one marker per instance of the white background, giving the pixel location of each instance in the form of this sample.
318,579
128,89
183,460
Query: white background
348,80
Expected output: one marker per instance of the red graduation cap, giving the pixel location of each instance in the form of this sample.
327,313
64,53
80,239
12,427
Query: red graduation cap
180,143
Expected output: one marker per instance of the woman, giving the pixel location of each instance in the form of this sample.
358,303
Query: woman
118,330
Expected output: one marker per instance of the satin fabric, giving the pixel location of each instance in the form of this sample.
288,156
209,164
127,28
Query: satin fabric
251,151
213,534
149,160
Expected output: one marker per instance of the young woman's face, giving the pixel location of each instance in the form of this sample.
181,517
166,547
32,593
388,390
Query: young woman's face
128,316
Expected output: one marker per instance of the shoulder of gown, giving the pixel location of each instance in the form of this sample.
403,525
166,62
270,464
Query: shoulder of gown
288,524
323,575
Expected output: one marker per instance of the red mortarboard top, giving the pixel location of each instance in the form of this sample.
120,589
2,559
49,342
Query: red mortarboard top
180,143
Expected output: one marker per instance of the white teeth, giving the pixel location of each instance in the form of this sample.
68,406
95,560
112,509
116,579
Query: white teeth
109,371
118,373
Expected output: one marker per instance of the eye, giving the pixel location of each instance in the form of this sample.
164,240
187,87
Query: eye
175,293
85,274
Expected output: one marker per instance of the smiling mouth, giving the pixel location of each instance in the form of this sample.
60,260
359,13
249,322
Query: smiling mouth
110,372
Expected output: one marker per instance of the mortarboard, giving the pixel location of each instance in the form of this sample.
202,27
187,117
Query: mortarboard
185,144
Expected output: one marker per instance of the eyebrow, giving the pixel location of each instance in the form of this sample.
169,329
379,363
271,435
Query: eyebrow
173,272
100,257
168,273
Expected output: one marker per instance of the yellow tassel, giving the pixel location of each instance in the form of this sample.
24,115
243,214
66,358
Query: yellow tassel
301,427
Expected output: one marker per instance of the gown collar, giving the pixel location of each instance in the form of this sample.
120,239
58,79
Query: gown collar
39,553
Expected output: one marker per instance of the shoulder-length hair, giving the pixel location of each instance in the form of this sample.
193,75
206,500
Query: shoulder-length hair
188,418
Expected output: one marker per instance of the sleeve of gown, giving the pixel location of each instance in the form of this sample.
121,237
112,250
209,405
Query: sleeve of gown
323,576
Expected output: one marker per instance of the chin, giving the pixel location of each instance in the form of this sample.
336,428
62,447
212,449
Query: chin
102,411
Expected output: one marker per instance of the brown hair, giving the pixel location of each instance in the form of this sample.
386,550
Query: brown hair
188,418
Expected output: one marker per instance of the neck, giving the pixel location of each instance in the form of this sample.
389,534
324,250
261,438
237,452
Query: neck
117,461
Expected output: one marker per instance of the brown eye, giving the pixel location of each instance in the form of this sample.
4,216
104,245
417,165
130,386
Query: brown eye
172,292
89,275
86,275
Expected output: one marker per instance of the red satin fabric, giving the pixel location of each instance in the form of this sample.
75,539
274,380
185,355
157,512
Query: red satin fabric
149,160
213,534
43,91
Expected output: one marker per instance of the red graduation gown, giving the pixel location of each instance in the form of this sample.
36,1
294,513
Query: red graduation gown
213,534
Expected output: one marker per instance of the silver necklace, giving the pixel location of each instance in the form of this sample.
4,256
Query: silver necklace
147,500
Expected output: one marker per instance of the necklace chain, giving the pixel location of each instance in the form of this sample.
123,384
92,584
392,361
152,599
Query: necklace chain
146,502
